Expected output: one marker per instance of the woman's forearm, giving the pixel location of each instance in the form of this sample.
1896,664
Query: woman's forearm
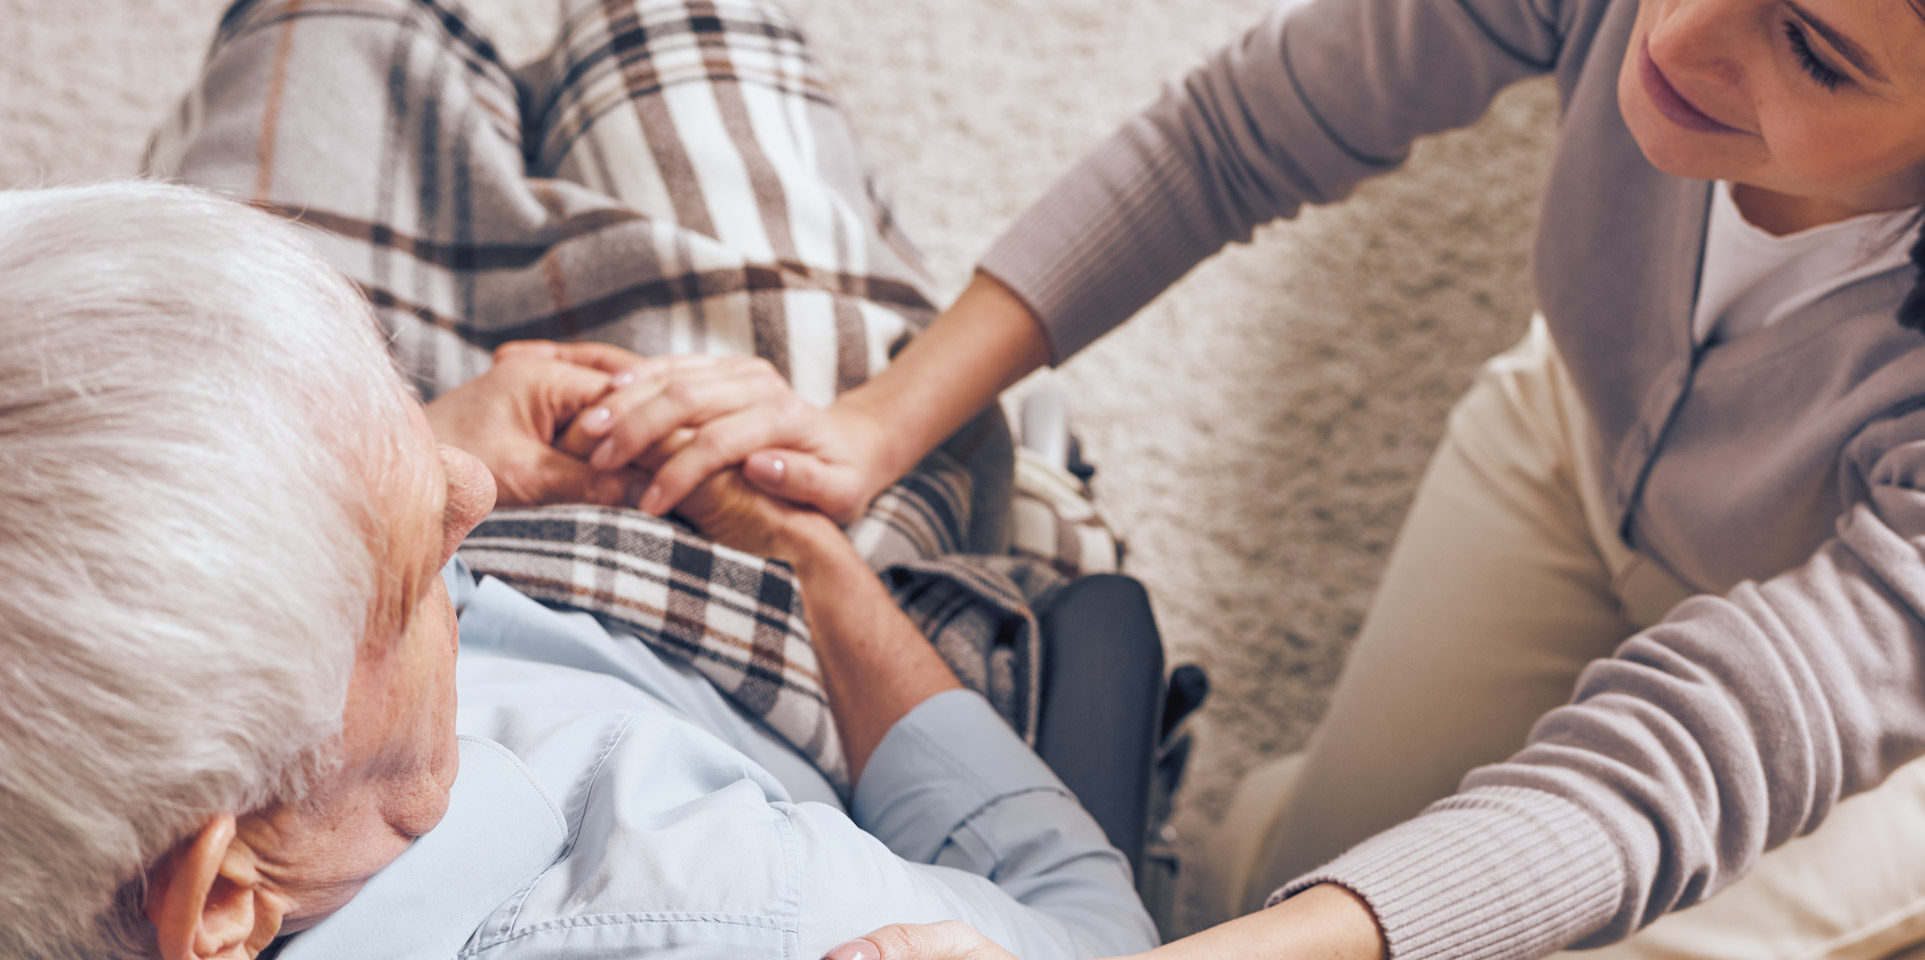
1325,922
986,341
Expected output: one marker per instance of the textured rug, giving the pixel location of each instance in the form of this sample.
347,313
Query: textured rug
1258,431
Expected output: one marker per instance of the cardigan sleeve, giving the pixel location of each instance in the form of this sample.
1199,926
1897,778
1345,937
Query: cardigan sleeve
1734,725
1313,99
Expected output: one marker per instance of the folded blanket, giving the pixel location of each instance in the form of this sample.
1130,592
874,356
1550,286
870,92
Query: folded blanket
738,617
674,177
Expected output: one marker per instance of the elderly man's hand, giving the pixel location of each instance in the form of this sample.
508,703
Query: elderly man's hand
509,419
722,506
739,411
730,512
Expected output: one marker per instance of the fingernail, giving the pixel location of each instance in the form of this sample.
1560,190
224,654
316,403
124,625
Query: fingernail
622,379
651,502
596,418
774,469
855,950
604,456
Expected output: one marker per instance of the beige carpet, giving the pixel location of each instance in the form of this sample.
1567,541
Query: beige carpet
1259,430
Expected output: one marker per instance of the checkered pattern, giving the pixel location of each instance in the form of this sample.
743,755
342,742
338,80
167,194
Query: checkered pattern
736,617
673,177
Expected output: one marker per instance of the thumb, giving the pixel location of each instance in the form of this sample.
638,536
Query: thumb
801,478
575,387
605,357
546,475
949,940
528,348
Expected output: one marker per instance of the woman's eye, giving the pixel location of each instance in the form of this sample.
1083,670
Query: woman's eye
1808,59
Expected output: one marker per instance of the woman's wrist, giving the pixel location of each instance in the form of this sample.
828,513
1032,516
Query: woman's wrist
883,450
1326,921
987,340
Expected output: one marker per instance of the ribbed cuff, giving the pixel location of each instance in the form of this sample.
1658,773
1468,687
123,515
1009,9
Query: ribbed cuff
1499,873
1111,235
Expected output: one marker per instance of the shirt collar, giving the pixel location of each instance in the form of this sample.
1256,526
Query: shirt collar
500,833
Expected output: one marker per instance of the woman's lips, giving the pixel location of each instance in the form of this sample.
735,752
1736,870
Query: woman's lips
1669,101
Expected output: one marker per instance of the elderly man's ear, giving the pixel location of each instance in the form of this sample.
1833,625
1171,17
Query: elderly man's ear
209,901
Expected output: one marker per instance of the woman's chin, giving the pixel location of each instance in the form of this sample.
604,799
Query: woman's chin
1692,154
1677,151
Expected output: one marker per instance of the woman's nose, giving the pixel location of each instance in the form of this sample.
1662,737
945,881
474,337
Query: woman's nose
1699,39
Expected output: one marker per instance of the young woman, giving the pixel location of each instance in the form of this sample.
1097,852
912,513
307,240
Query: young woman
1699,475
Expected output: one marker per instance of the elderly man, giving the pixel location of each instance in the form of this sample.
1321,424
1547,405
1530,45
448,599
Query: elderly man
234,645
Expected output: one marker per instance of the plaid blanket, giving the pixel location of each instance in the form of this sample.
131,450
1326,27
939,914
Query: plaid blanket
674,176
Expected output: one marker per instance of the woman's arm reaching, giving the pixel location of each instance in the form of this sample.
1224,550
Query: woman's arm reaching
1733,726
986,341
1309,102
1323,923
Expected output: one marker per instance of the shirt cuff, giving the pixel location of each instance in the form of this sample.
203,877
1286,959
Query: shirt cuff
1499,873
939,767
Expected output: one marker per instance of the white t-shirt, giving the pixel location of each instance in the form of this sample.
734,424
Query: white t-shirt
1752,278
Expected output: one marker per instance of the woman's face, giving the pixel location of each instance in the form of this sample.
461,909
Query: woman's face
1816,99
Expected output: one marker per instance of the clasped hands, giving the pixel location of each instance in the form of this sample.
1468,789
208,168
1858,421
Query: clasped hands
723,440
594,423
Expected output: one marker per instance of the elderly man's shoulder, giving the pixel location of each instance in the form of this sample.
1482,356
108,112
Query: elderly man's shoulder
669,832
529,661
585,832
588,738
590,817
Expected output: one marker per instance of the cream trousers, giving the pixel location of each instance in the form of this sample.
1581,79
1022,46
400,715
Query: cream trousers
1506,580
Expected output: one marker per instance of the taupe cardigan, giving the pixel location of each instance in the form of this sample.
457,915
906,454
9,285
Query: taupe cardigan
1780,473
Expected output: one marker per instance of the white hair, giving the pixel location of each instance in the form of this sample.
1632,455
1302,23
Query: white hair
195,417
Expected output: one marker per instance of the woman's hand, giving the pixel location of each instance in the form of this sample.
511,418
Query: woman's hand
508,418
735,410
835,460
1326,921
949,940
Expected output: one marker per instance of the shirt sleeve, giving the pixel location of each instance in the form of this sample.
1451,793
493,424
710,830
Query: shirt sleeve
1315,98
955,818
1733,726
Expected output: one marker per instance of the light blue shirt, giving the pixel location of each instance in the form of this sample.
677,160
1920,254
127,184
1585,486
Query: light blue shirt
613,805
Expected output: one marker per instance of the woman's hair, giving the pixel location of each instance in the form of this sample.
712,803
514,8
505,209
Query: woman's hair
196,419
1911,313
